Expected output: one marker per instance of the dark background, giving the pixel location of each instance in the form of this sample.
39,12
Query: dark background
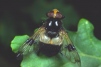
19,17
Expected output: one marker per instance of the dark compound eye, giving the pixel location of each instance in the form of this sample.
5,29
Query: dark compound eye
54,14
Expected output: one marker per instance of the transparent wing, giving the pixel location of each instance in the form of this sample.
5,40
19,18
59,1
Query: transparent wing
29,44
69,50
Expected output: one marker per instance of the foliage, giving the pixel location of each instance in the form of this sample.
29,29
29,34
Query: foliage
88,47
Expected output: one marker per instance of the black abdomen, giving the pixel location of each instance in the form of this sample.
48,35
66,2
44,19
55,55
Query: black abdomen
48,49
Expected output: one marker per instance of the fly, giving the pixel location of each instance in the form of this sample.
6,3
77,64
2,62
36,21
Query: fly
51,39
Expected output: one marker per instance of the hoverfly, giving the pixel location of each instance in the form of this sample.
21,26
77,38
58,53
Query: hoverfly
51,39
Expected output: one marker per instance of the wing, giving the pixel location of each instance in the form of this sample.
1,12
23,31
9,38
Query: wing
29,44
69,50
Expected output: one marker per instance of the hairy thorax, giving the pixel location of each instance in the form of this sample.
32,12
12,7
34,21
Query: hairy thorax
53,41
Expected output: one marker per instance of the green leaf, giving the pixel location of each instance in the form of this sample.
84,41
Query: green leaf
88,47
17,42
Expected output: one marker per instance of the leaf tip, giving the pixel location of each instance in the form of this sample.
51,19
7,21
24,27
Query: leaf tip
17,42
84,23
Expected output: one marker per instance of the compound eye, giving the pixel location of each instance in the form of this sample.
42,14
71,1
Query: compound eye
55,14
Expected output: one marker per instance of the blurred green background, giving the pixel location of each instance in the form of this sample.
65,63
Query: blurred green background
19,17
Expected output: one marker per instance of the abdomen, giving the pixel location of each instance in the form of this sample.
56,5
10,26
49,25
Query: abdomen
48,49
